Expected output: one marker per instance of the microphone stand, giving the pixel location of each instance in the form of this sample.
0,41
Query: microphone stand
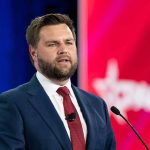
117,112
135,131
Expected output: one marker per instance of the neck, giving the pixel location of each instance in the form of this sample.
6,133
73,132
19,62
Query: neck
56,81
59,82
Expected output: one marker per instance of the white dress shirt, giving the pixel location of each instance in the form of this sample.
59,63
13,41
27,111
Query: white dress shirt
57,100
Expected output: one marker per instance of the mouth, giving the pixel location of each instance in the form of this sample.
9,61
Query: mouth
63,60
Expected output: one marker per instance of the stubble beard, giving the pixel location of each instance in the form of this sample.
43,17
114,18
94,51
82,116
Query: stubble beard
53,72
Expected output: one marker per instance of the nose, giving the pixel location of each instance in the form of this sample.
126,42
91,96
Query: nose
62,49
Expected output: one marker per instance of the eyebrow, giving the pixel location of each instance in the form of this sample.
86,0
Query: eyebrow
57,41
70,39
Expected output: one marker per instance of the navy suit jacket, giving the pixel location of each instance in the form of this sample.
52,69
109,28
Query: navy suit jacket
29,121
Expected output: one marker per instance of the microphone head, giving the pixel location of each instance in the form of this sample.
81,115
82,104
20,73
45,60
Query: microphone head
71,117
115,110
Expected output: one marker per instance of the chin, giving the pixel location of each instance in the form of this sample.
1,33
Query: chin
64,69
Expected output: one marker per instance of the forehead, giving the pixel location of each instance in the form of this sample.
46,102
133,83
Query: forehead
53,31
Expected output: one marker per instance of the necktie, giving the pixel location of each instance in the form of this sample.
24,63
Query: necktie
73,120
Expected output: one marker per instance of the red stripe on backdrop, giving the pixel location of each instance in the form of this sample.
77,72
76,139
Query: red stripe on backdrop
82,28
114,62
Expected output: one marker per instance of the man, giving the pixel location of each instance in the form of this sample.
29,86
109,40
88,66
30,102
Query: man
48,112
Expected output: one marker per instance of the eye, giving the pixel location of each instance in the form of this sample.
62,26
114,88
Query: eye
69,43
51,44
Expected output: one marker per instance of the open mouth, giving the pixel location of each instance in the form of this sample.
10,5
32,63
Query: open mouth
63,59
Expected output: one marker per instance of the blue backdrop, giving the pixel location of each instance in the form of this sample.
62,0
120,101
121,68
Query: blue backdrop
15,15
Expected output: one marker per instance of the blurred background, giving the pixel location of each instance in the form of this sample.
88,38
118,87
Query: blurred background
114,51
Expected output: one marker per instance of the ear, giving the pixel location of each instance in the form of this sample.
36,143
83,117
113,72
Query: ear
33,53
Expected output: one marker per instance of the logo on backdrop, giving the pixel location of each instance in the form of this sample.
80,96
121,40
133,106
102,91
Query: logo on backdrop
124,93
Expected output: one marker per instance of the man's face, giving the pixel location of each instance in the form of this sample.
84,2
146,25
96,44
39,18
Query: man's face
56,52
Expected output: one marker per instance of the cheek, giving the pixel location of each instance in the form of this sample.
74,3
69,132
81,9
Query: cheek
47,56
75,57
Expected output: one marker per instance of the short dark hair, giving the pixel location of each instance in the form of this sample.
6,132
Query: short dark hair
32,33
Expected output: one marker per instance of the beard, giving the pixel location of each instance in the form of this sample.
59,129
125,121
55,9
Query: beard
51,71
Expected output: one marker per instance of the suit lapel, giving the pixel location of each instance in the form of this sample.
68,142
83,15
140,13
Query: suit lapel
42,104
89,116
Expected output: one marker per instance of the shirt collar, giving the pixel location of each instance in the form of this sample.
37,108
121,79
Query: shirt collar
49,85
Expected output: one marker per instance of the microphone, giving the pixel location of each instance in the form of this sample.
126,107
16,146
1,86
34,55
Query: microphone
117,112
71,117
